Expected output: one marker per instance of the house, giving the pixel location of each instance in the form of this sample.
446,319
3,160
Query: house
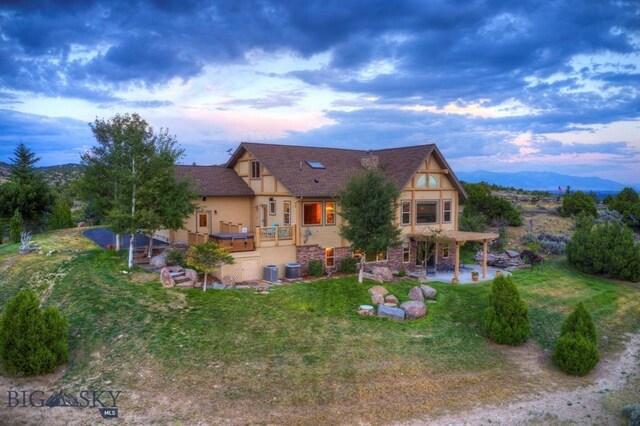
275,204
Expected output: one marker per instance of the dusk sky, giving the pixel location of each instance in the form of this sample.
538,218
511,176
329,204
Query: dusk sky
498,85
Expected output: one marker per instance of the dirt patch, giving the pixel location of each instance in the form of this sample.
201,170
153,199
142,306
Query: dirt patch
579,401
143,277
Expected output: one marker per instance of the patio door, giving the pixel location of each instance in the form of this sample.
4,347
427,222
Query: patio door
426,252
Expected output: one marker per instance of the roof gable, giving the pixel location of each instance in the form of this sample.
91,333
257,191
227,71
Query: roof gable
214,180
289,165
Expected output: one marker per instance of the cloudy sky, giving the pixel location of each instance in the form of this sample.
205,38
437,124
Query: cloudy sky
500,85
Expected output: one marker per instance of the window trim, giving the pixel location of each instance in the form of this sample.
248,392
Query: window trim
327,257
444,211
426,180
326,221
445,252
272,207
254,171
358,254
435,178
436,202
321,213
406,250
402,212
285,213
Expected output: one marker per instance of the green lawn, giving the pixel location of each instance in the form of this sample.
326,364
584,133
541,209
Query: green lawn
301,351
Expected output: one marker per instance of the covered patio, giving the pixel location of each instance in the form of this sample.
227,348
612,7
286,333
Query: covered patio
459,238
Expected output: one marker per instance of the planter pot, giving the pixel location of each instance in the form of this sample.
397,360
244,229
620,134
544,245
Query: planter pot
475,277
498,273
23,250
454,281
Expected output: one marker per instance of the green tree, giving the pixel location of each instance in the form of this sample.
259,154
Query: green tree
506,319
576,350
576,203
207,257
61,217
32,341
368,206
26,190
580,321
16,226
627,203
607,249
128,175
480,201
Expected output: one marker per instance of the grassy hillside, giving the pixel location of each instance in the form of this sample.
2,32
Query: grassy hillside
300,354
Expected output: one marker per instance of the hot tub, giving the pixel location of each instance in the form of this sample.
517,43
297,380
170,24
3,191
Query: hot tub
234,241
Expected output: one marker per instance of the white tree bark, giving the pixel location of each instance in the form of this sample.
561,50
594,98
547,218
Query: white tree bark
361,273
117,242
133,212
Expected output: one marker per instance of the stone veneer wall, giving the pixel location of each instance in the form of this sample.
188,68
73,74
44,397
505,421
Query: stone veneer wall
304,254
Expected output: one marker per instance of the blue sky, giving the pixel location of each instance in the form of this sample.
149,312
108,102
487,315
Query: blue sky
506,86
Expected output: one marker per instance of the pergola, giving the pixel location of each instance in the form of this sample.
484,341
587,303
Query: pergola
460,238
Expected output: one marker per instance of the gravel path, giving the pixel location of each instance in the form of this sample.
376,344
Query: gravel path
581,405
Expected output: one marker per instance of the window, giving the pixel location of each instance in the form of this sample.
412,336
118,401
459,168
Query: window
406,251
203,220
286,211
426,212
380,257
330,213
315,164
406,213
445,252
329,258
272,207
422,181
255,170
446,211
312,213
433,181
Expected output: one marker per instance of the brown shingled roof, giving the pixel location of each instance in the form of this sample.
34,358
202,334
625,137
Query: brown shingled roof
214,180
288,163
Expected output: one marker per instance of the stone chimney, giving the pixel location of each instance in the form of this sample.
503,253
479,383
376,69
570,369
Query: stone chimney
370,161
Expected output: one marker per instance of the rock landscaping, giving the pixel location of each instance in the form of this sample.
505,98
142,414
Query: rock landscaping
388,303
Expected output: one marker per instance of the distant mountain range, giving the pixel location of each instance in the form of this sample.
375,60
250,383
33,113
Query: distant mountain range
544,181
61,174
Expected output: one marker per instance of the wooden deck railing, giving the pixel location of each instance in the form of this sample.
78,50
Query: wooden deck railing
275,235
230,227
197,238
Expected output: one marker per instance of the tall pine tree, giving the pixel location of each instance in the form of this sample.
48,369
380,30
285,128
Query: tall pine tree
26,190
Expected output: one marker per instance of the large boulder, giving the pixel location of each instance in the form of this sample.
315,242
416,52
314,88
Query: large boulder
159,261
416,294
191,274
414,309
428,292
378,289
383,272
377,299
390,312
166,279
372,277
390,300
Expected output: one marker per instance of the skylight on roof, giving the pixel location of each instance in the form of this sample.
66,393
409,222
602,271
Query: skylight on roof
316,165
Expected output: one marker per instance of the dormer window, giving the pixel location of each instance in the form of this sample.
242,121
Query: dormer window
316,164
255,169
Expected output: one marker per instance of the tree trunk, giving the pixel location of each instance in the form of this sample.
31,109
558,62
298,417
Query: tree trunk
150,246
133,234
117,242
361,273
204,284
133,213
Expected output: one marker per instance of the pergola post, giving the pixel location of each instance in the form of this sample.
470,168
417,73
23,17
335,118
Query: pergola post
456,270
484,259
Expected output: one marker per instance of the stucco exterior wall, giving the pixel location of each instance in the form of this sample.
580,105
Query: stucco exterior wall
243,269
